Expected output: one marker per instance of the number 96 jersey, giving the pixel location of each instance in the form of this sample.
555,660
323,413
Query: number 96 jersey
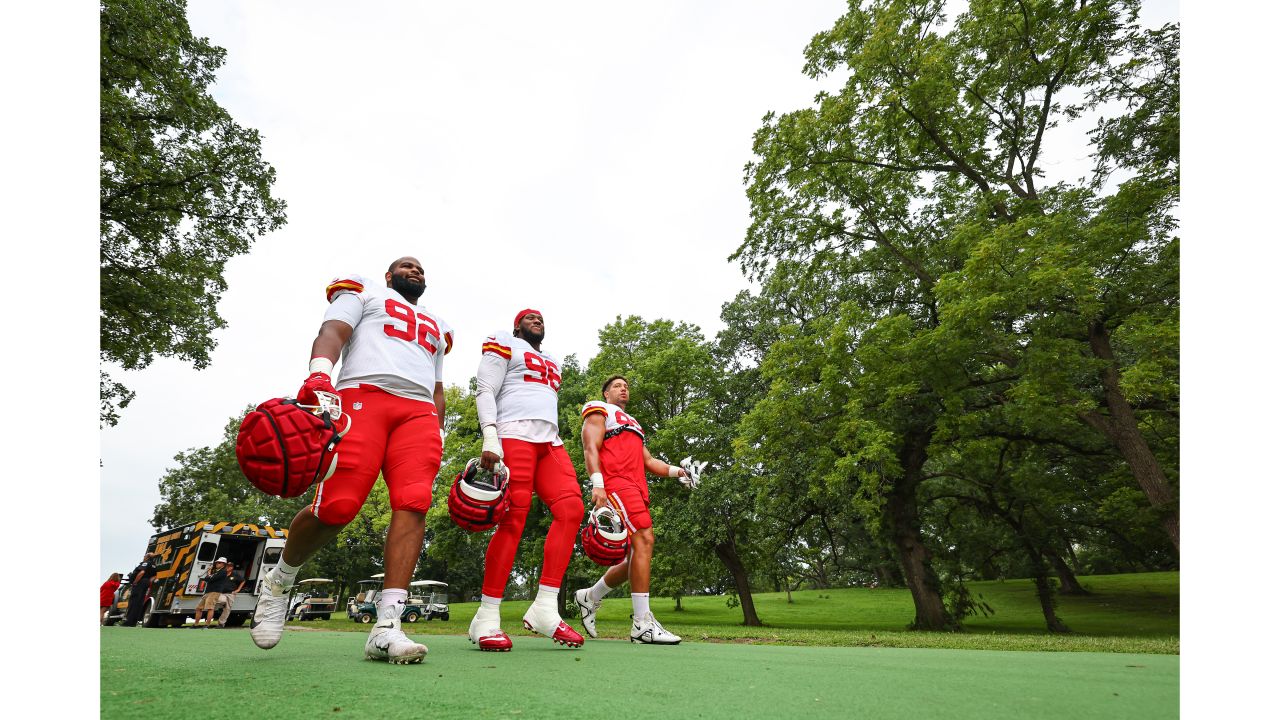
396,345
531,382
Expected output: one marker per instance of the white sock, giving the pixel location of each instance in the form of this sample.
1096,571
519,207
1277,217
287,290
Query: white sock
639,604
286,573
547,595
599,590
391,603
489,604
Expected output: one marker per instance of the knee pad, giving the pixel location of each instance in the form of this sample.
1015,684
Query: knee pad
521,499
339,511
514,516
568,509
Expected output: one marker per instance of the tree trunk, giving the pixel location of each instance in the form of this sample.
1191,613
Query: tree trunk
1120,427
1075,561
888,573
820,574
729,556
903,520
1070,585
679,607
1044,589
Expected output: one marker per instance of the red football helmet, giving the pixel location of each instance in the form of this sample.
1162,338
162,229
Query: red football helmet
604,539
284,448
479,497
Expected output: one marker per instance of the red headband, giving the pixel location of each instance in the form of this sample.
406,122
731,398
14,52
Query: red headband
520,315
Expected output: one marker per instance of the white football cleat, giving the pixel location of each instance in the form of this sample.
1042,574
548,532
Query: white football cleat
269,616
587,609
388,642
649,631
544,620
486,631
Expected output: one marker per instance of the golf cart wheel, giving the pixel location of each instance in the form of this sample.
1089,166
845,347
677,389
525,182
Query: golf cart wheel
366,618
324,616
411,617
444,616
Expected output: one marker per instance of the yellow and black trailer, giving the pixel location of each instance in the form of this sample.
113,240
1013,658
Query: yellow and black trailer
186,553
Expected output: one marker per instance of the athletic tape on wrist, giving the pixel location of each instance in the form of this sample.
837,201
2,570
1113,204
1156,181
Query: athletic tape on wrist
673,471
597,480
320,365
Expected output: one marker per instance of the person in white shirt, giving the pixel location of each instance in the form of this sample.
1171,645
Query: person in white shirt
392,393
517,400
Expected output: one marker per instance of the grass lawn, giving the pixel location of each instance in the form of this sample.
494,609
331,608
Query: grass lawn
169,673
1135,613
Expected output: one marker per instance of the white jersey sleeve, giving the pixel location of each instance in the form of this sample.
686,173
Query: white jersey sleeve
530,385
396,345
347,307
489,377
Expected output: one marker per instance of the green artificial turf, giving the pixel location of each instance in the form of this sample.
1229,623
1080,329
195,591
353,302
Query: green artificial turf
170,673
1135,613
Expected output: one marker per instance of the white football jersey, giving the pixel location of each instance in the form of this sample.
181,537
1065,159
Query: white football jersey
396,345
616,420
531,384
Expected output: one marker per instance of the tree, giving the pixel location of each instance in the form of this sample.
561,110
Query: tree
915,194
184,188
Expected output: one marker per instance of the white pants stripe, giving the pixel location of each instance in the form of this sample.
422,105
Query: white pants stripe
616,502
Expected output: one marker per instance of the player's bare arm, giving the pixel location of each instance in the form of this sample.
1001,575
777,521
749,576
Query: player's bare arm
325,349
592,440
662,469
437,396
329,342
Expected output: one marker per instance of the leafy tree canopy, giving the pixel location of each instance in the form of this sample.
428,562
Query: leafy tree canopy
184,189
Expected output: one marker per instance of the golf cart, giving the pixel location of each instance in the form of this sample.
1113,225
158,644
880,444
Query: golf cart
432,596
313,598
363,608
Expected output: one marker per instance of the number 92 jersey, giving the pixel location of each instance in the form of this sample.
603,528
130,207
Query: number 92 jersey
531,381
396,345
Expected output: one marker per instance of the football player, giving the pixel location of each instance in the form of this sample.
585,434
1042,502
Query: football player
390,384
517,398
616,458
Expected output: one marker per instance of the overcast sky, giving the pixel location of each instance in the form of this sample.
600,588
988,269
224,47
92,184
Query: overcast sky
585,159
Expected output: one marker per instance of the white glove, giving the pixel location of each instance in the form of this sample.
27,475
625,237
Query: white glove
695,472
491,442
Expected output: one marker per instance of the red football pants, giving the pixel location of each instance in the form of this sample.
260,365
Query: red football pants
546,470
399,436
631,500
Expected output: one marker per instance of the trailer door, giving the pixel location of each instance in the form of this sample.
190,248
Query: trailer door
205,555
272,550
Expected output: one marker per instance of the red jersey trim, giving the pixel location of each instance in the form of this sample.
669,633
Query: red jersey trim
496,349
334,288
593,409
448,342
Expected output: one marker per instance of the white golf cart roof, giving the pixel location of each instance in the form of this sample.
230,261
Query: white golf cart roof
428,583
314,581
